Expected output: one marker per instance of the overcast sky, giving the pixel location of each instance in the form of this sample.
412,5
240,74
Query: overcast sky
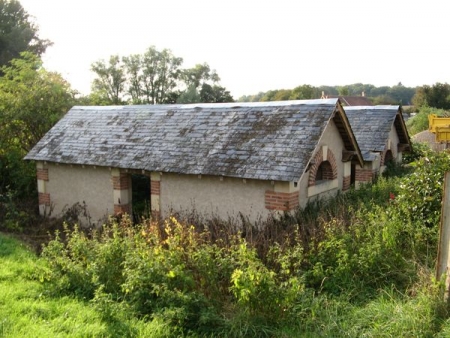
256,45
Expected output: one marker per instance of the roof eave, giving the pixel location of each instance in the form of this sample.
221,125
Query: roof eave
402,126
340,110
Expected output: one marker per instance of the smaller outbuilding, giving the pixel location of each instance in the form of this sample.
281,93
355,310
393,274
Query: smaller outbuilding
381,135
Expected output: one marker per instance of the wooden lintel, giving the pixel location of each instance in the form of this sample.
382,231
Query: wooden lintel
347,155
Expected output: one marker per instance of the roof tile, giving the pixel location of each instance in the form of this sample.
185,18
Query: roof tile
269,140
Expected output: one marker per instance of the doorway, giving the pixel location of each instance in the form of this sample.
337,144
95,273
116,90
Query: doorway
140,197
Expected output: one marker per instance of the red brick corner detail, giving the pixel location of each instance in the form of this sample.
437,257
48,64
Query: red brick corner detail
346,183
281,201
121,182
44,198
155,187
42,174
121,209
364,175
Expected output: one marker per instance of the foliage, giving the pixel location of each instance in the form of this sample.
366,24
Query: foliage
154,77
418,204
305,92
401,94
31,101
108,87
356,265
18,33
199,74
214,94
343,90
419,122
436,96
397,94
160,71
147,78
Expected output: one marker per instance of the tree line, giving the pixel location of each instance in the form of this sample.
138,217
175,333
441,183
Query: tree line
397,94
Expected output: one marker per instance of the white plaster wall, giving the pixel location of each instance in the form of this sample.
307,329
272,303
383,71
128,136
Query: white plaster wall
332,139
394,141
210,196
68,185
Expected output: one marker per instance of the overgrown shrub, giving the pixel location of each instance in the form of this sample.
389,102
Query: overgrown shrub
314,265
81,263
419,122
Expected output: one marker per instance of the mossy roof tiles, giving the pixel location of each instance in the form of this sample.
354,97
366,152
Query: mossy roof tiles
264,140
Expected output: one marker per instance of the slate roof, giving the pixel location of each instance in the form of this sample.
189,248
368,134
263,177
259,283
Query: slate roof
261,140
353,100
371,126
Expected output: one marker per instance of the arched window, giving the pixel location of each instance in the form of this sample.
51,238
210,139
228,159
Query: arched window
324,172
323,168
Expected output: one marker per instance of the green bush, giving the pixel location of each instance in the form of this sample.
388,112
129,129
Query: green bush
419,122
307,273
79,264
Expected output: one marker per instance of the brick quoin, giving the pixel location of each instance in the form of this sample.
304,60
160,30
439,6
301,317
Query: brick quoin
44,198
155,187
318,159
364,175
281,200
121,209
346,183
121,182
42,174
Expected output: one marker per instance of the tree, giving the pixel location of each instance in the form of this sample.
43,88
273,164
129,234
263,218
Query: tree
215,94
328,90
108,87
343,90
282,95
198,75
160,72
18,33
155,77
305,92
401,94
201,86
190,95
133,65
436,96
32,100
269,95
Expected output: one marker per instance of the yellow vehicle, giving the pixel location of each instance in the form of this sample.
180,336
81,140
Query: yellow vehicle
439,126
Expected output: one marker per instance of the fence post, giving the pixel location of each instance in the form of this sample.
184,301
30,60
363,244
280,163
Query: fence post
443,259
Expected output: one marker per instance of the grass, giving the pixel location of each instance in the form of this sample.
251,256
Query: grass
26,310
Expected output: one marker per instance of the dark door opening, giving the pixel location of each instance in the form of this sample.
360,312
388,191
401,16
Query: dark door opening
353,174
140,197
